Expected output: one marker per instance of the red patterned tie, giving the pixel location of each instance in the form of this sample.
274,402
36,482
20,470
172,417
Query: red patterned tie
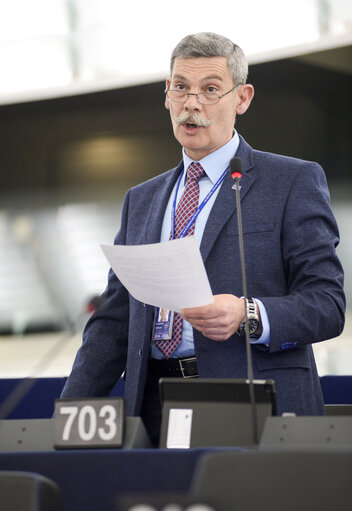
186,207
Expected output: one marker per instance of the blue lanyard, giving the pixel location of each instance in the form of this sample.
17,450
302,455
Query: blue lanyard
199,209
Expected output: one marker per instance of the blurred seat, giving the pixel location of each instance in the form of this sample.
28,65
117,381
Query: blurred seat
336,389
39,399
276,481
27,491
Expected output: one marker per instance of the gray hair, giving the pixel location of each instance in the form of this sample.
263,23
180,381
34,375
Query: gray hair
208,44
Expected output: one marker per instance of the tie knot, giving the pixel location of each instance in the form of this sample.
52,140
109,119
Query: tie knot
195,171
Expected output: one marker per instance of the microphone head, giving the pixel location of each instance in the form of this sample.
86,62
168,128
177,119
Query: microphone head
236,167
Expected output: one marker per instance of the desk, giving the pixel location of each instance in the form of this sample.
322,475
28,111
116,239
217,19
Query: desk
90,480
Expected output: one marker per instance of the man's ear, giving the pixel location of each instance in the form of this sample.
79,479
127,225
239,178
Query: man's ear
245,95
167,102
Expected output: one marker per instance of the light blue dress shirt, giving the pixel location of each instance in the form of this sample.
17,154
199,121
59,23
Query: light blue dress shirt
214,165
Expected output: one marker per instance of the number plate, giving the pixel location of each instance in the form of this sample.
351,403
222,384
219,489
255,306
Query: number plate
88,423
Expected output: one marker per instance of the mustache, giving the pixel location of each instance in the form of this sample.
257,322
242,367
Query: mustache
198,120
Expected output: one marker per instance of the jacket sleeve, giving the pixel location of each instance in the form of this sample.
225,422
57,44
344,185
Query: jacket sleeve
313,308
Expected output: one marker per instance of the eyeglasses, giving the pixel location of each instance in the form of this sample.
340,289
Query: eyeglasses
205,98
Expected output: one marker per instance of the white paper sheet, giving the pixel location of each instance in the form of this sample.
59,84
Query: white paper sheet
169,274
179,428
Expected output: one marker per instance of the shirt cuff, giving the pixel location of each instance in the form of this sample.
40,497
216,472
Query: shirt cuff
265,337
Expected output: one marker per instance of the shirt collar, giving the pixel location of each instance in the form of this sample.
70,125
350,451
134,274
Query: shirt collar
215,163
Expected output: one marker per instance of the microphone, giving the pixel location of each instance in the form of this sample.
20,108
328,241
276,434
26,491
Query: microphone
236,168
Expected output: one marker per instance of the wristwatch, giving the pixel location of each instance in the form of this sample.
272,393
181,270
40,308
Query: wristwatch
253,319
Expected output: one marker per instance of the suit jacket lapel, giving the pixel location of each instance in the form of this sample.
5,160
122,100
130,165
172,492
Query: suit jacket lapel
225,203
158,204
224,206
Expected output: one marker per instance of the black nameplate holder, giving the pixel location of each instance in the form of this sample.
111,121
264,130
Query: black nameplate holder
88,423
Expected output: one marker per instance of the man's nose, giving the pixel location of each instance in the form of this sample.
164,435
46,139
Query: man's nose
192,102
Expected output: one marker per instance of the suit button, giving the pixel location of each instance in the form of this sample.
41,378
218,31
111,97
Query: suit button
288,345
140,353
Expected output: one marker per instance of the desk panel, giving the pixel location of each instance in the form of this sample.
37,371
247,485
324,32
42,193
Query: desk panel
91,480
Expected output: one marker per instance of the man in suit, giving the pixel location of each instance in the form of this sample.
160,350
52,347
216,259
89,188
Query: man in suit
294,278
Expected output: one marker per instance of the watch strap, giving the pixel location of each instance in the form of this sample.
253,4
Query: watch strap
253,318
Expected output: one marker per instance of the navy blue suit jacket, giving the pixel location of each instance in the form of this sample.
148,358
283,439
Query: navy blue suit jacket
290,236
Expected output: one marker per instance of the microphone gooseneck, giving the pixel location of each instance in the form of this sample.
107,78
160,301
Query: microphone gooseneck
236,169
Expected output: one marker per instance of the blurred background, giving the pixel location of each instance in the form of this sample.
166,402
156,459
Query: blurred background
82,120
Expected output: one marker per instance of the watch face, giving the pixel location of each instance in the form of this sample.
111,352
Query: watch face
253,325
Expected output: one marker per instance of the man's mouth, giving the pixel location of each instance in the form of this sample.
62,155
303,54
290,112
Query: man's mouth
190,128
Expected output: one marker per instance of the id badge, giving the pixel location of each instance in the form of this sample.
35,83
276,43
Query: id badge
162,325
